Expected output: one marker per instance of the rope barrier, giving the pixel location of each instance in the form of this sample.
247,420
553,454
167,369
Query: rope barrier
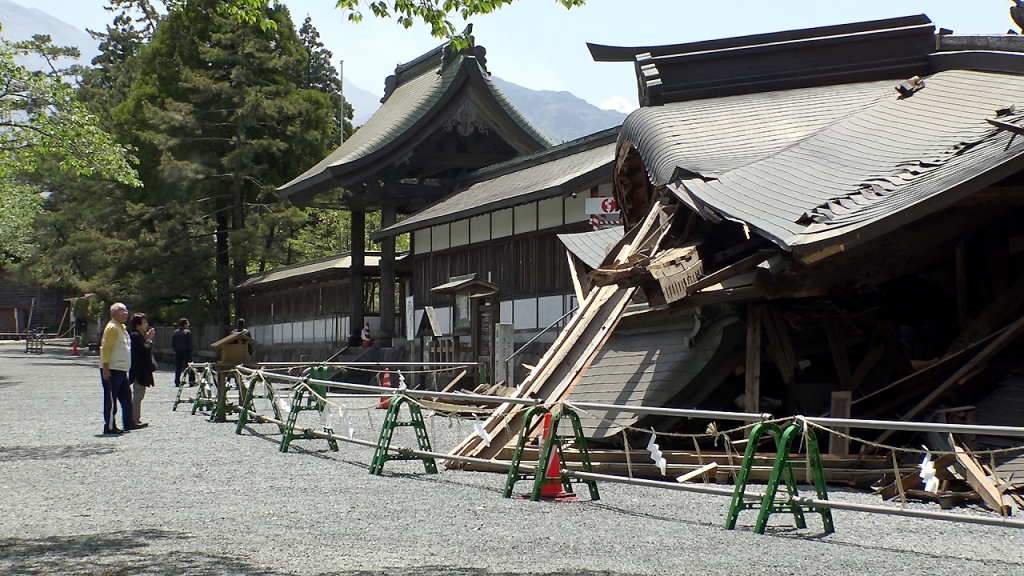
712,433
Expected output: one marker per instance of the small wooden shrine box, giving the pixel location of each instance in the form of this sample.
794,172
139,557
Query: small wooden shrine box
234,348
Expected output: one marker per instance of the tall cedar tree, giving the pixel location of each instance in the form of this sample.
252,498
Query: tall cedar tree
118,242
221,122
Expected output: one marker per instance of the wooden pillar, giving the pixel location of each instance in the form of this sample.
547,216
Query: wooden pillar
752,397
841,404
387,278
357,278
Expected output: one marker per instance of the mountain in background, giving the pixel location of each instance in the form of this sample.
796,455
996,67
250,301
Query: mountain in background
363,102
560,115
20,23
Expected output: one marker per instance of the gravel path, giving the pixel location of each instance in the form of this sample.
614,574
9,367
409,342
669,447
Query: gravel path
187,496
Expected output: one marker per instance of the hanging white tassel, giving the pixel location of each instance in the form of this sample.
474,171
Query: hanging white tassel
482,432
656,455
927,473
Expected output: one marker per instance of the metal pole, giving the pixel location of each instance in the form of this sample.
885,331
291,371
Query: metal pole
908,513
341,91
397,450
1014,431
679,486
688,413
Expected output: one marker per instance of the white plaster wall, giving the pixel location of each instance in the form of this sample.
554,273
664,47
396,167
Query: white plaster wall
501,223
549,213
439,236
549,309
421,241
525,218
506,311
575,209
460,232
605,189
524,313
480,228
444,318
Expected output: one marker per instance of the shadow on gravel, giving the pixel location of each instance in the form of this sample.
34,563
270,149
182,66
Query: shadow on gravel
53,452
6,381
468,571
794,534
114,554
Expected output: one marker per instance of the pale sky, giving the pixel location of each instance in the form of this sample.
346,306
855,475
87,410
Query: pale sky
541,45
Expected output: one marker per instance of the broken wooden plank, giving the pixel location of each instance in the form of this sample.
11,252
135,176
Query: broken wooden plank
574,348
960,376
841,402
454,381
978,480
580,283
698,472
745,265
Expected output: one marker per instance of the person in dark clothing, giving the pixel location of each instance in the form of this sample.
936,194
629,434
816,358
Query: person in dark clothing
241,329
141,373
181,343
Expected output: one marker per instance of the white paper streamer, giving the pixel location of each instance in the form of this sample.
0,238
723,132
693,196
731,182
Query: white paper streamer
482,432
401,382
927,473
656,455
346,425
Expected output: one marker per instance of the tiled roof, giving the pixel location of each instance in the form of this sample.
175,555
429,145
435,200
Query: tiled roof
651,362
592,247
305,269
413,101
877,167
557,171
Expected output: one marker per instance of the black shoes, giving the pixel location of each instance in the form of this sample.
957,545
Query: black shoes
113,432
138,426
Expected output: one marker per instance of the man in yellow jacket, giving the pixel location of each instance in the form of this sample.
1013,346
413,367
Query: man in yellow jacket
116,355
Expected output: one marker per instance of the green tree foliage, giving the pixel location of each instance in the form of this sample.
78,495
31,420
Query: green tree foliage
320,74
436,14
220,121
40,121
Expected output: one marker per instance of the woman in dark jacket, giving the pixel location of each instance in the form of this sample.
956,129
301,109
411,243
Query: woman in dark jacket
141,374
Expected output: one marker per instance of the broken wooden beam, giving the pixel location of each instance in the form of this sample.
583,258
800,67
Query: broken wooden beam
980,481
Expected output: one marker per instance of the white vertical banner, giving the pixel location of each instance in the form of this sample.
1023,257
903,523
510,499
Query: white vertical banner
410,319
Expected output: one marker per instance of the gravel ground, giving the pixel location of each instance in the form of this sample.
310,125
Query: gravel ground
187,496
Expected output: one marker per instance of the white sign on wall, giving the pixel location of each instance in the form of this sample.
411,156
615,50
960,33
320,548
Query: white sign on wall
602,206
410,319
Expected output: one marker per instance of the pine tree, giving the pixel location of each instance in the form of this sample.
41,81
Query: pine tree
221,121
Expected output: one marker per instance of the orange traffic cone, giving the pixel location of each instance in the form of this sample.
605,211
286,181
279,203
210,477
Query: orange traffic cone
385,401
74,346
551,489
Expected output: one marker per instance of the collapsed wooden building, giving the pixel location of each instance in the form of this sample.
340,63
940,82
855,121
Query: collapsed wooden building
821,221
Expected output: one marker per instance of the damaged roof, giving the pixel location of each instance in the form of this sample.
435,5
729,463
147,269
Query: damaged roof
592,247
833,144
650,361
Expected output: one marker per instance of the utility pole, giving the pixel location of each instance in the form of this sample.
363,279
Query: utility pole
341,77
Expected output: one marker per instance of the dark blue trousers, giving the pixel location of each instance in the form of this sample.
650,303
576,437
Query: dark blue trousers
116,391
